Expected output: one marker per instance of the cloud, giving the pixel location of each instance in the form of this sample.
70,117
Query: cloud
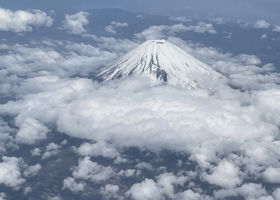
129,172
191,195
232,133
115,45
264,36
130,129
276,28
71,184
146,190
163,186
202,27
110,191
31,131
219,20
23,21
32,170
75,24
144,165
180,19
28,61
10,172
276,194
262,24
2,196
224,175
163,31
27,190
52,149
97,149
248,191
88,170
229,123
112,28
272,175
35,152
6,136
168,181
54,197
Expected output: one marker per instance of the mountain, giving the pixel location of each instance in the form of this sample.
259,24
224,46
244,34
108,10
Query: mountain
163,61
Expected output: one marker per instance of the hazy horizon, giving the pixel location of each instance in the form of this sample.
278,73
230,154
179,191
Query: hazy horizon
248,10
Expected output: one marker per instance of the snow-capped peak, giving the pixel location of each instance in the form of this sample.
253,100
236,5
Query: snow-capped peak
161,60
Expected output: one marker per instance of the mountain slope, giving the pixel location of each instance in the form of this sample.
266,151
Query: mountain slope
161,60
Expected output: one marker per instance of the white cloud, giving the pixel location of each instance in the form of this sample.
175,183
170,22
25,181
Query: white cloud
146,190
163,31
74,186
6,138
180,19
268,102
163,186
87,169
276,28
264,36
74,59
100,148
272,175
27,190
31,131
110,191
209,131
225,175
64,142
129,172
10,172
202,27
32,170
190,195
238,125
35,152
114,26
219,20
52,149
248,191
168,181
23,21
276,194
262,24
119,24
75,24
149,127
115,45
54,197
144,165
2,196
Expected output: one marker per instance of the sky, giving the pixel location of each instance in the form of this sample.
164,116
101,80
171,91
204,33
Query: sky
238,9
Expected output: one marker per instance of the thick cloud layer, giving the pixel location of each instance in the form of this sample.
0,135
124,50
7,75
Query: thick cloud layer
222,133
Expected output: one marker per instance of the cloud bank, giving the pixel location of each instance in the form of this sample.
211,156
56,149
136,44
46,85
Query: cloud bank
23,21
230,135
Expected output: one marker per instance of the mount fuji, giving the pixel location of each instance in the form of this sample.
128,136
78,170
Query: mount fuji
162,61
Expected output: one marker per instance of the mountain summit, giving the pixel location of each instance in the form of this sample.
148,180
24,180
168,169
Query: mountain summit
161,60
